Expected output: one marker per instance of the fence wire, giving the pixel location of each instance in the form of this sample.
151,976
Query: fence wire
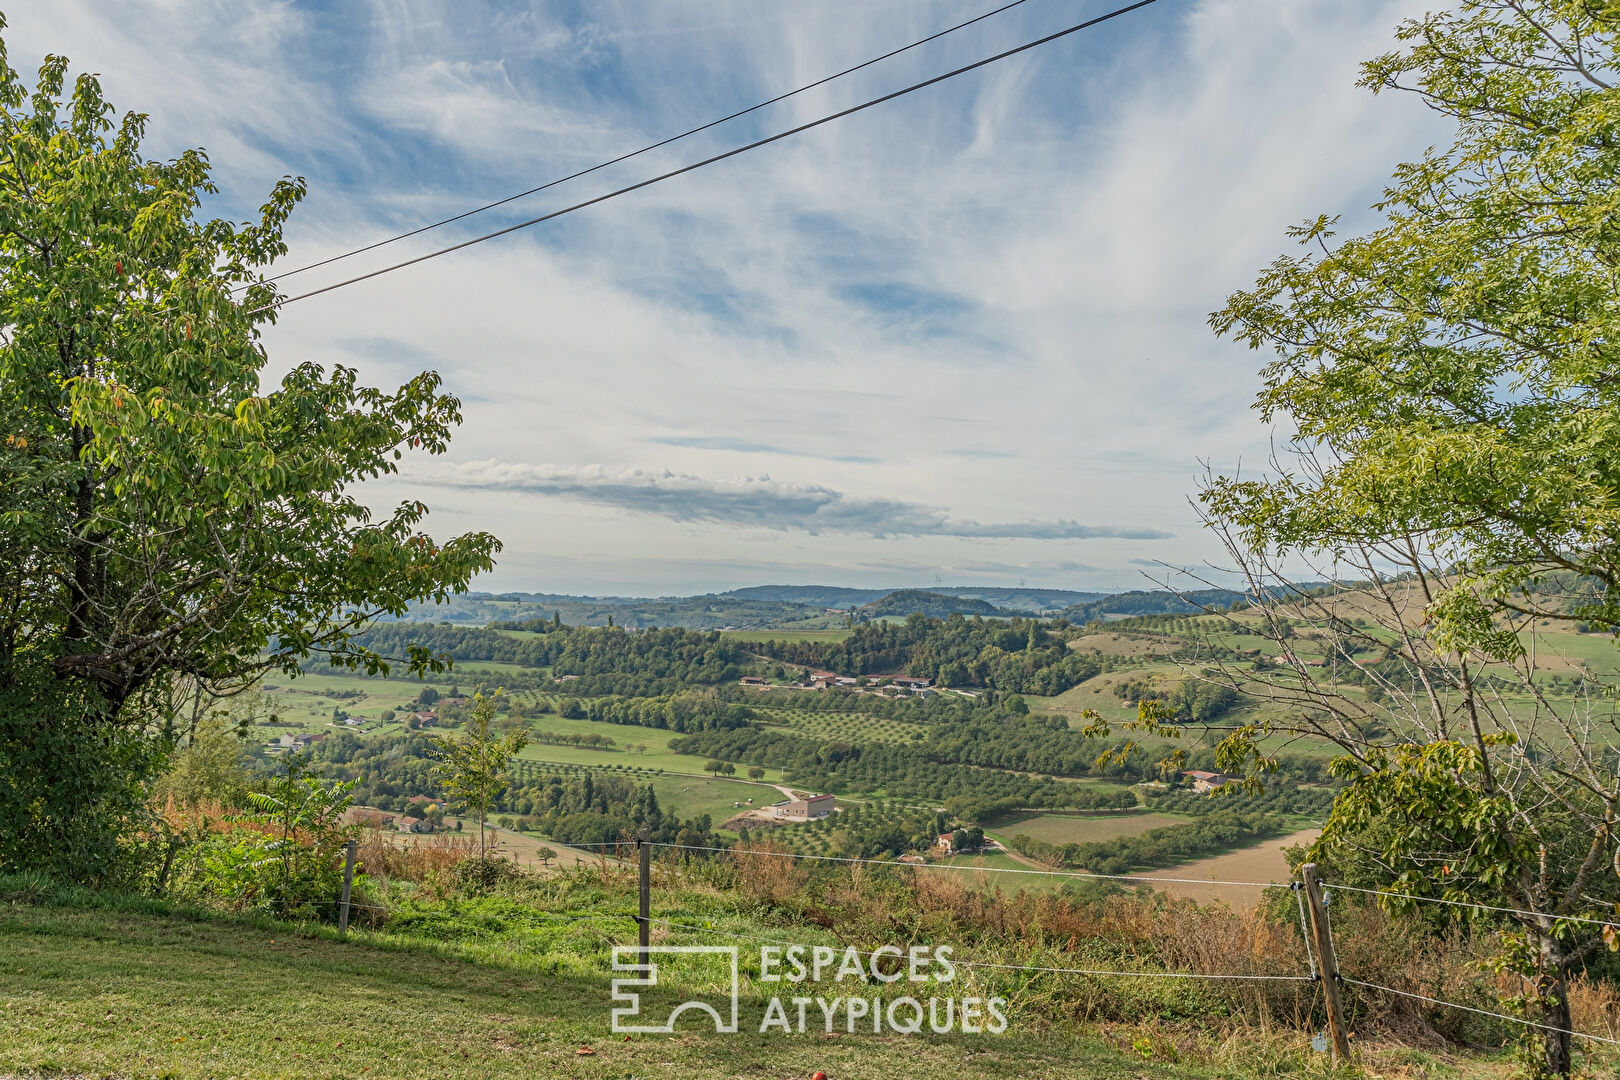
894,863
1478,907
1481,1012
1002,967
618,848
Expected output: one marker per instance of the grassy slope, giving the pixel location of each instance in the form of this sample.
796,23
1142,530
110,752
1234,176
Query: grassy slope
146,995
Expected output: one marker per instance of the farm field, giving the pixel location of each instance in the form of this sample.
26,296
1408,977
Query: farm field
1596,653
687,796
851,727
1261,862
748,636
1085,828
657,756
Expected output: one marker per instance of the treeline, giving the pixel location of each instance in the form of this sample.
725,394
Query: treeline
1046,744
600,809
386,770
1281,796
683,656
1154,602
970,793
681,712
1022,656
1214,833
1194,700
913,708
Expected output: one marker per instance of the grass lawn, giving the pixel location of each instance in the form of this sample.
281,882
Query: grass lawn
119,993
1086,828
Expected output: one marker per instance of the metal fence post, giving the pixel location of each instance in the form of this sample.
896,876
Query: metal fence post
348,886
644,921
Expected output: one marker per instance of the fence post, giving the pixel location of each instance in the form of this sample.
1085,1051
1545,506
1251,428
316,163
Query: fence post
1327,961
348,884
644,922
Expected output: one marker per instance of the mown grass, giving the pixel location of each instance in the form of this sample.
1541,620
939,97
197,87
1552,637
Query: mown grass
140,992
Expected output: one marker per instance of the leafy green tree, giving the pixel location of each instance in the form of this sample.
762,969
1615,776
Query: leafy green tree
1449,381
475,764
209,767
169,527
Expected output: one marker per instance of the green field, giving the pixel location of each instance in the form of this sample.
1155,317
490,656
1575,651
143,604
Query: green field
747,636
850,727
1085,828
657,756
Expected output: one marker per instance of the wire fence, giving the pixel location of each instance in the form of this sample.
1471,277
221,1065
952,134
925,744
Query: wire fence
1318,967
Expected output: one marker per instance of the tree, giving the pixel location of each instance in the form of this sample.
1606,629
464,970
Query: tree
208,767
1455,463
714,766
474,763
756,772
170,529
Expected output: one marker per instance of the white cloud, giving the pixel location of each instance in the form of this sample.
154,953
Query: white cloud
989,297
754,502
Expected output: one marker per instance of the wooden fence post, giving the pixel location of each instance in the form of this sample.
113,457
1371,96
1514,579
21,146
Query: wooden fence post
348,885
1327,961
644,922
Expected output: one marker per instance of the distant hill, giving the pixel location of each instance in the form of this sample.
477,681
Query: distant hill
1035,601
1152,602
804,606
825,596
933,604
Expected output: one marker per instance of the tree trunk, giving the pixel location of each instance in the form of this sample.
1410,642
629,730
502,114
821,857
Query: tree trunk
1552,994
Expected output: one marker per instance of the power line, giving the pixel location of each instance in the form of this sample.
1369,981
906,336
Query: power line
637,153
756,144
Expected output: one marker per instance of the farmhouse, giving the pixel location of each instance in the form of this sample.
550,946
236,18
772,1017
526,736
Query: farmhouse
946,841
1206,782
911,682
809,809
412,825
752,680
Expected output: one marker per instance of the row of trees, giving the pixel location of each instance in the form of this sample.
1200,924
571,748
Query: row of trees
1016,655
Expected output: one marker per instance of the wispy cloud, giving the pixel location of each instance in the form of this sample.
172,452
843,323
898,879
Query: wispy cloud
757,502
746,446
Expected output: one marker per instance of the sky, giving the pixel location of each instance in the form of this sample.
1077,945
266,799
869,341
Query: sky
959,338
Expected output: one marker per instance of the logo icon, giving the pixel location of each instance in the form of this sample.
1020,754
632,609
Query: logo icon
626,958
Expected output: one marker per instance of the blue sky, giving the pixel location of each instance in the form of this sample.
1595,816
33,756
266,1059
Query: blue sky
961,335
